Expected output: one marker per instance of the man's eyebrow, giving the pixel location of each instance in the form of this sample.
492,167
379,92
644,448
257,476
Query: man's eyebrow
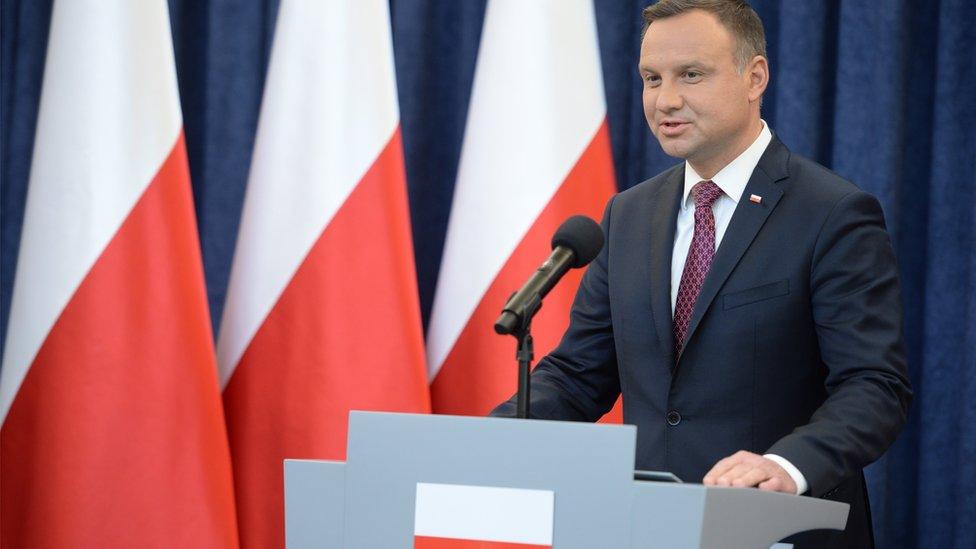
691,65
679,69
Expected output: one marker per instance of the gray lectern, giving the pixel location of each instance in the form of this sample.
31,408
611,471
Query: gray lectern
372,500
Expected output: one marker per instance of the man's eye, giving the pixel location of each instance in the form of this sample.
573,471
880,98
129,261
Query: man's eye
693,75
652,79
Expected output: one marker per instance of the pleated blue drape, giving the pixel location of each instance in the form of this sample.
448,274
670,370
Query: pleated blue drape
882,92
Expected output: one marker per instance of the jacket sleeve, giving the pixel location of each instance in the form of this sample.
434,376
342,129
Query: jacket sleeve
856,304
578,380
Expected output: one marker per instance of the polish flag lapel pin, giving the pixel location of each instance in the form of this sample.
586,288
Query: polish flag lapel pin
755,198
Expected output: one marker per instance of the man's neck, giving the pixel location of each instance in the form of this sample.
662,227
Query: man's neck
712,166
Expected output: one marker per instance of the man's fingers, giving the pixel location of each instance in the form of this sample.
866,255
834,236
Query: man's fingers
774,484
726,464
733,474
753,477
719,469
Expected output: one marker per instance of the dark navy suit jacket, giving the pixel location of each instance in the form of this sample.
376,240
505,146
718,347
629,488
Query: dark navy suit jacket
794,347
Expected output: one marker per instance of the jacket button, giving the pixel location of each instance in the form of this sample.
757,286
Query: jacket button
674,418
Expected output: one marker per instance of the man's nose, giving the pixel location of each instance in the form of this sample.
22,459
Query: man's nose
668,98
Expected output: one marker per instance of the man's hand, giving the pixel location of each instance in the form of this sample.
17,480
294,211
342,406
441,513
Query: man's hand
743,469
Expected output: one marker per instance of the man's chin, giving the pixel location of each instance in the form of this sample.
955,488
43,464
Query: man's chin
674,148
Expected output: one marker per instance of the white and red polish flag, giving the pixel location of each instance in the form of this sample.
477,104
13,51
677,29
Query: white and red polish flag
536,151
322,313
456,516
112,429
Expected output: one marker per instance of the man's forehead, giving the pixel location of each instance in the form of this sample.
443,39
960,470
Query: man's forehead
678,55
674,52
693,34
669,49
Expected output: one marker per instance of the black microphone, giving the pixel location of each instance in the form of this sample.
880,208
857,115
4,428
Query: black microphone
577,242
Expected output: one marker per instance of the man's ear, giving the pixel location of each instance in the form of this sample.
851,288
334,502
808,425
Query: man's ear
758,72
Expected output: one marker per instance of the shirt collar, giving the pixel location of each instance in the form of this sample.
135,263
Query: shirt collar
732,179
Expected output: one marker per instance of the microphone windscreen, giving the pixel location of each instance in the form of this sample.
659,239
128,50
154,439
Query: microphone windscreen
582,235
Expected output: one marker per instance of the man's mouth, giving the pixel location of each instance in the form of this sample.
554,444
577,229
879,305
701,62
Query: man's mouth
671,128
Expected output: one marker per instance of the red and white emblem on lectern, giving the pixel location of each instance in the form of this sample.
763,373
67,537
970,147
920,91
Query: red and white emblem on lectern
454,516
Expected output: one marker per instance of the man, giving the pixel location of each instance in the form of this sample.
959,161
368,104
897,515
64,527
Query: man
746,303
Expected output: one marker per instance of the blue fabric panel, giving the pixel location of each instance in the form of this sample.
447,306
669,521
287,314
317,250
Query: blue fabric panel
947,411
805,78
23,40
435,46
222,51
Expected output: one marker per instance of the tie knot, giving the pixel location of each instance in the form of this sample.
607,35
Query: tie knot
706,192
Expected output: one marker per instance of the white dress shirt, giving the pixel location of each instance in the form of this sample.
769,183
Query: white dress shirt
732,179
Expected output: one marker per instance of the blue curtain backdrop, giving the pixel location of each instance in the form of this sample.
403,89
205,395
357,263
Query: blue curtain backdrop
882,92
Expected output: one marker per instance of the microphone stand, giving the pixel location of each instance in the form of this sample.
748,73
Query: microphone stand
524,353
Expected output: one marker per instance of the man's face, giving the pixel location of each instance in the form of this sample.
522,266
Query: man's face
697,104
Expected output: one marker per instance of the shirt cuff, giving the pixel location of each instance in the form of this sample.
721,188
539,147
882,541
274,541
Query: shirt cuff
795,474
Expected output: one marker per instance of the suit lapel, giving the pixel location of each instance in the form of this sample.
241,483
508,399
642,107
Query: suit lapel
663,218
746,221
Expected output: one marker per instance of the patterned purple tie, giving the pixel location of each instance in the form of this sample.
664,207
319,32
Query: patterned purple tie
699,260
